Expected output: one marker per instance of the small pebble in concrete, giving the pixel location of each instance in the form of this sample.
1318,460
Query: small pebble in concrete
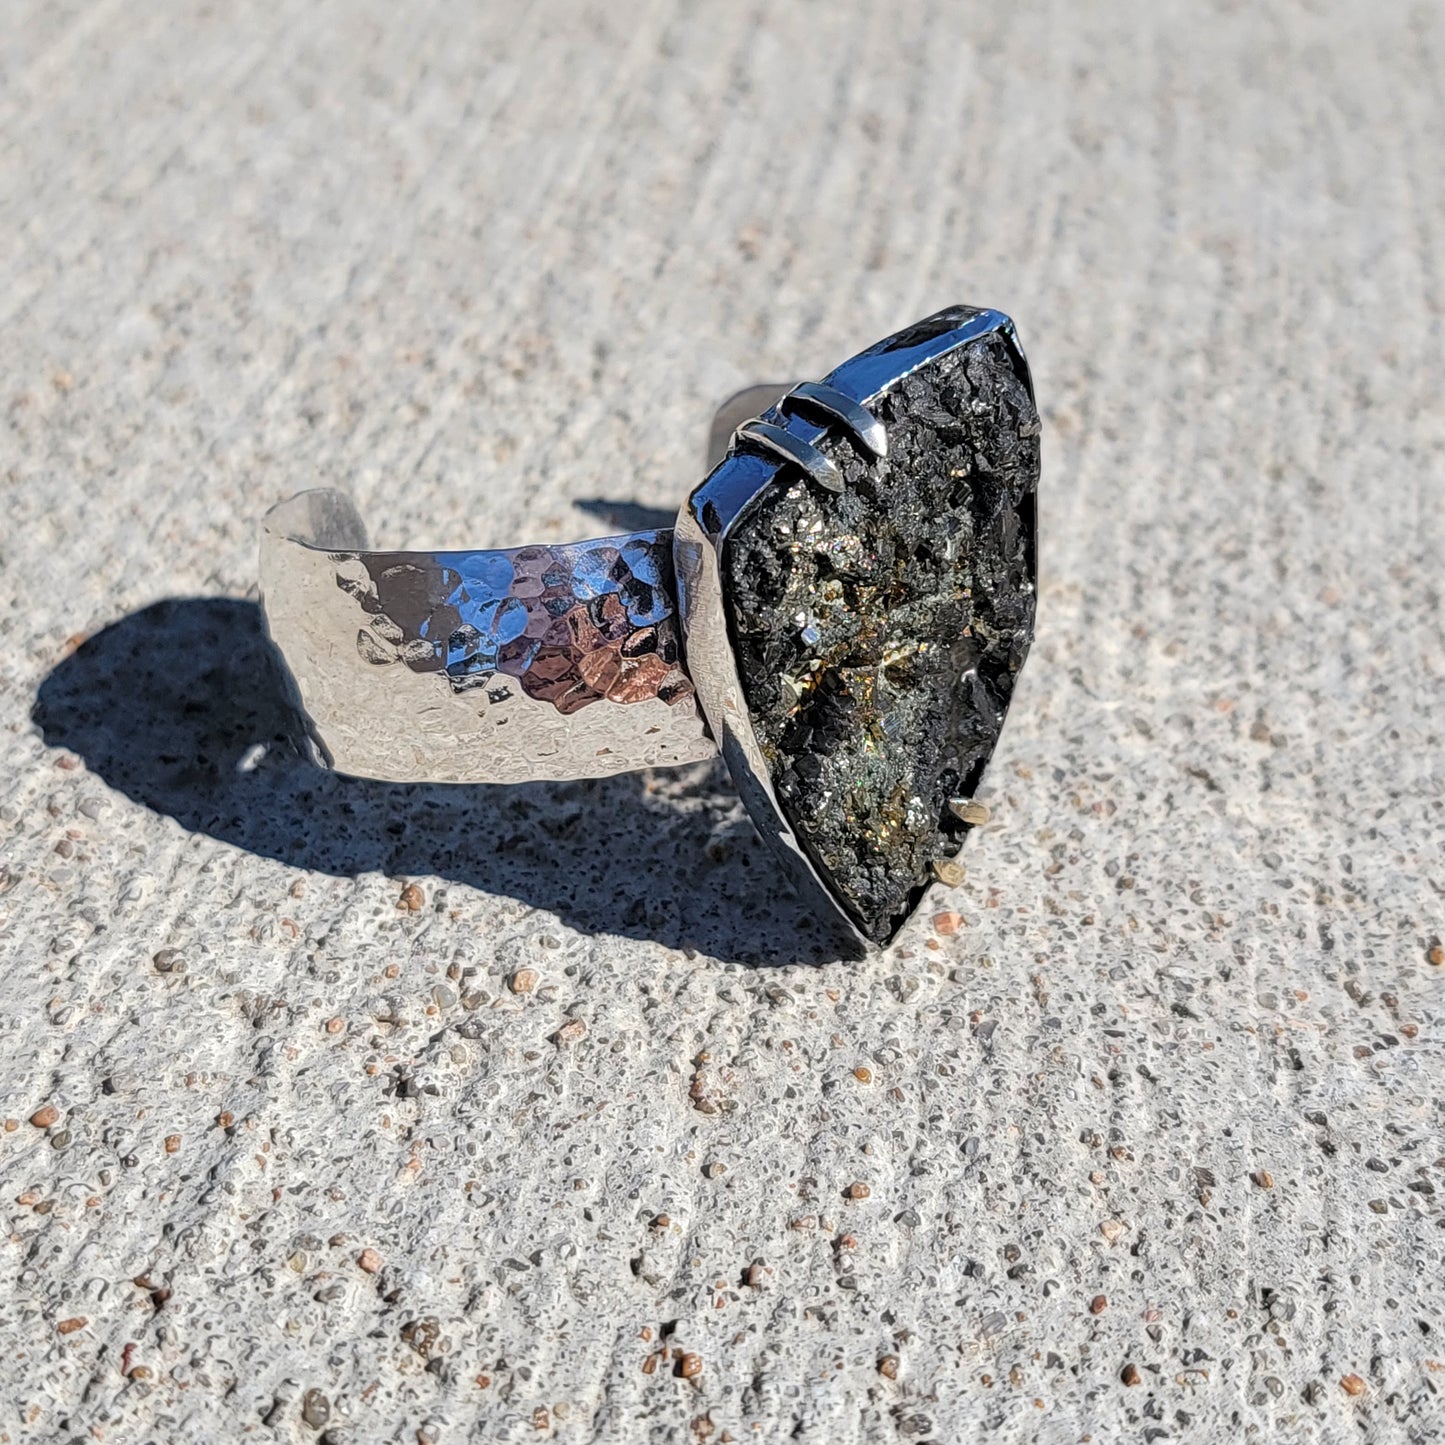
69,1327
857,1190
412,899
369,1260
315,1409
888,1366
947,923
948,872
689,1366
45,1116
1263,1179
523,981
1353,1385
1098,1304
1130,1375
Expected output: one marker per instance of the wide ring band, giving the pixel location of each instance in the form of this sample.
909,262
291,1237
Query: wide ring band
841,610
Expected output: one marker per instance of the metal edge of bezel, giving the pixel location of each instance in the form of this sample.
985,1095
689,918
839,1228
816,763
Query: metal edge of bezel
704,523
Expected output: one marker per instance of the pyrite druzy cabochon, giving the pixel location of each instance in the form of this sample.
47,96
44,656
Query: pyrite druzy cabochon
878,629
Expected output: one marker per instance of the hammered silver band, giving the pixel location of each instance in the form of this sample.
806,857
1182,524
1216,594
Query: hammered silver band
479,666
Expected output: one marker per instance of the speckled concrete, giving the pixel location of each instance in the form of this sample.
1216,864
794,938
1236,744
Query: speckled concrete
351,1112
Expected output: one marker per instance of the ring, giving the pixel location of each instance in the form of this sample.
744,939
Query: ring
841,611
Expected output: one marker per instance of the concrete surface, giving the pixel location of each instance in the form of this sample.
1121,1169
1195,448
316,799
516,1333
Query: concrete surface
1162,1105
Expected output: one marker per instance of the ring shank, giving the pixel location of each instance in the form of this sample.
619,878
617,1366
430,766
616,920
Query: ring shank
542,662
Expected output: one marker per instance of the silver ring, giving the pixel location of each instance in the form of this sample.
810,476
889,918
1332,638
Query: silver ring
841,611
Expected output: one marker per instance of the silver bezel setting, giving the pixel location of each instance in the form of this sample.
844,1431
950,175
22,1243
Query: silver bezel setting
784,436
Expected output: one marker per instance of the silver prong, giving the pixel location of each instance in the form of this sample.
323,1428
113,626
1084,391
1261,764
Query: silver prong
841,407
784,444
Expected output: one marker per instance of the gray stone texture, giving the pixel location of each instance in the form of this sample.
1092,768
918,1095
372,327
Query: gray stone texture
396,1113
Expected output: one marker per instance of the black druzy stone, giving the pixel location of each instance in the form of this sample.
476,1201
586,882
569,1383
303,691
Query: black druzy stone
878,631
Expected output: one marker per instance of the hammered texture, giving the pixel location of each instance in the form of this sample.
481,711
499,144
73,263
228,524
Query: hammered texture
558,661
569,625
